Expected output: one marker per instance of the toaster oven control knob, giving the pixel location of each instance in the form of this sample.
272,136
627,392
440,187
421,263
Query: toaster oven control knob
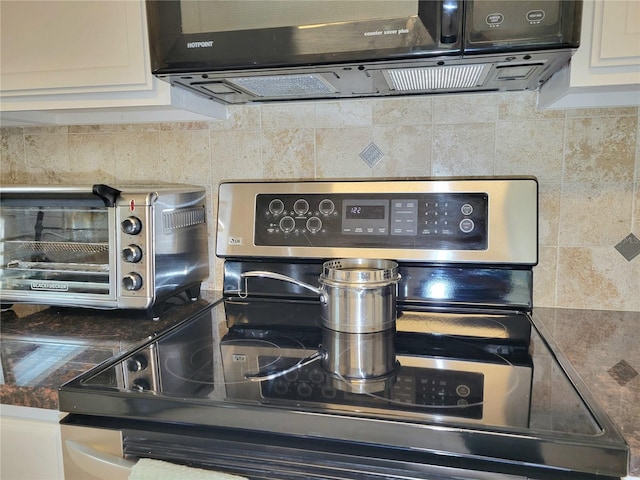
140,385
131,225
132,281
137,363
132,254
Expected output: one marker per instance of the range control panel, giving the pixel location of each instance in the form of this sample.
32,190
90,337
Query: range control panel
424,390
415,220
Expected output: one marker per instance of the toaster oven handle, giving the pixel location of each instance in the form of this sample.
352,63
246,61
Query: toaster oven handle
108,194
449,21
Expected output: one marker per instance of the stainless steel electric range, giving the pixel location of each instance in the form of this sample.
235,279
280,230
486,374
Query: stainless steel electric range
431,367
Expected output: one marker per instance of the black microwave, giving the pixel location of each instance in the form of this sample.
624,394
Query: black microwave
259,50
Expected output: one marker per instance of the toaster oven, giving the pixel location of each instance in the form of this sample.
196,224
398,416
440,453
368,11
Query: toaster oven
101,246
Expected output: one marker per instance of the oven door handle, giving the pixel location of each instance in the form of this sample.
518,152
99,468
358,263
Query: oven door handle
99,464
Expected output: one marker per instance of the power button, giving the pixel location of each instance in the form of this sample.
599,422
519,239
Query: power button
467,225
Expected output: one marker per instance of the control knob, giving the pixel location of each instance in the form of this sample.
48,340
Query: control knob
287,224
132,254
314,224
137,363
131,225
140,385
132,281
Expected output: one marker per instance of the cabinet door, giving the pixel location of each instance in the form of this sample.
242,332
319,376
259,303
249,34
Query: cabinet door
31,447
610,51
89,46
605,71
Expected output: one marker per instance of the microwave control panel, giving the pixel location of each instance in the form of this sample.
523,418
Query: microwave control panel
441,221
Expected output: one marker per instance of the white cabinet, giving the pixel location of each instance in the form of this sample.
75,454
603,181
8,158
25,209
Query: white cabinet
31,447
85,61
605,71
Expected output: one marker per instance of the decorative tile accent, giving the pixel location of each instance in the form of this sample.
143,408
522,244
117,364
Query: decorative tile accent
629,247
371,155
622,373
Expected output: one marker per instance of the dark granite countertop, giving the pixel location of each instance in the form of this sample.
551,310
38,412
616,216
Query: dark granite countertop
42,348
602,346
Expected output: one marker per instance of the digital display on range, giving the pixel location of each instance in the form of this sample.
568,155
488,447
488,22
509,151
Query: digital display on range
369,212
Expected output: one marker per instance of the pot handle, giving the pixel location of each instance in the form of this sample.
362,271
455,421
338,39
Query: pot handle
275,276
263,376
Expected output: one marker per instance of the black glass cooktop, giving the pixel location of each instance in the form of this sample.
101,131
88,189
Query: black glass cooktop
473,383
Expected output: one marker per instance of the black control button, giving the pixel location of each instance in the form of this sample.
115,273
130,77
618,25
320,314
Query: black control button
326,207
287,224
301,206
276,206
314,224
467,225
463,390
316,376
304,389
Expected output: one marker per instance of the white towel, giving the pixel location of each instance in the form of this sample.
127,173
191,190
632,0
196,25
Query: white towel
148,469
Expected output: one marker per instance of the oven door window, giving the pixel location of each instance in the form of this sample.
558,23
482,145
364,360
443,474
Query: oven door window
55,250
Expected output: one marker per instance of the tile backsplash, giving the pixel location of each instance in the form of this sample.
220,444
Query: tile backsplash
587,162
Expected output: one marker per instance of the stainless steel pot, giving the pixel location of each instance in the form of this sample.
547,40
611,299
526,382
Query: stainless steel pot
355,362
360,362
358,295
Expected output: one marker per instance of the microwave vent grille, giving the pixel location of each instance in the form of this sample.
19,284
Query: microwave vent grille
182,218
284,85
435,78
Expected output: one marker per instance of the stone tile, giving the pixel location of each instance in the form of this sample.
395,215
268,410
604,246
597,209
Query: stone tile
530,147
598,278
463,151
235,154
544,277
523,105
465,109
288,153
636,207
407,150
91,128
193,148
47,155
241,117
622,373
348,113
629,247
602,112
549,195
13,164
595,214
47,130
338,152
403,111
91,158
600,149
137,157
288,116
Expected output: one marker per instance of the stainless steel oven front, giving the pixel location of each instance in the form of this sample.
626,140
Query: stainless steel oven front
101,246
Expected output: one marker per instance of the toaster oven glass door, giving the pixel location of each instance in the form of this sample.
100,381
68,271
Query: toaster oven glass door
55,250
